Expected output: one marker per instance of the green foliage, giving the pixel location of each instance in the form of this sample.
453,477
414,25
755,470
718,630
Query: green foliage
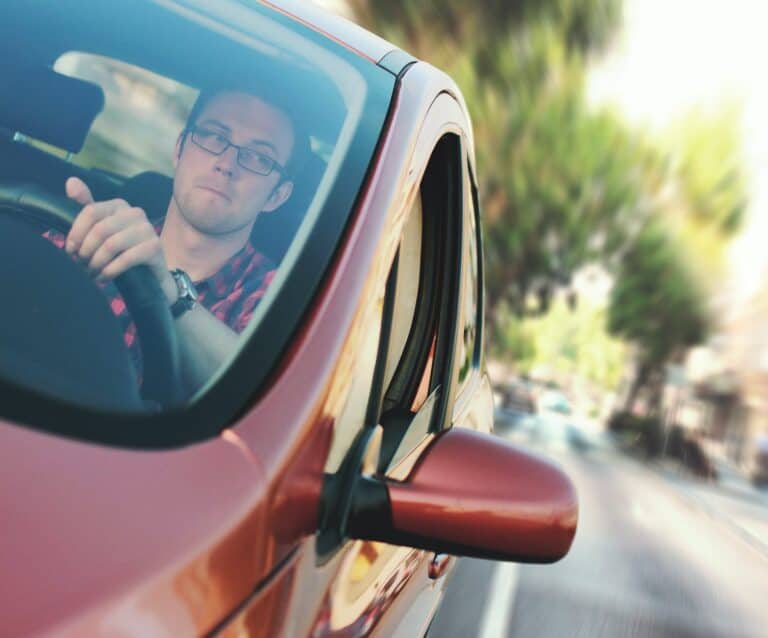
518,343
660,300
572,342
656,302
574,191
709,168
415,24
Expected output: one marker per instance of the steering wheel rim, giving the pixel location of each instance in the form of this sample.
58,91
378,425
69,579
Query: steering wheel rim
139,288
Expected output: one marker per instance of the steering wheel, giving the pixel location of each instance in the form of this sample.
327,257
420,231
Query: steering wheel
139,288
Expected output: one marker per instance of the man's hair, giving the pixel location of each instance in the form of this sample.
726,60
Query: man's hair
301,147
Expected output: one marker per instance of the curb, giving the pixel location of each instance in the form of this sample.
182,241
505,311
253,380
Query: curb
751,539
757,543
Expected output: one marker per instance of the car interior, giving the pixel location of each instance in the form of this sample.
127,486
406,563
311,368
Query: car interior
64,338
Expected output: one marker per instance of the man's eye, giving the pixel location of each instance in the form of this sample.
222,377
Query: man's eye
257,160
211,137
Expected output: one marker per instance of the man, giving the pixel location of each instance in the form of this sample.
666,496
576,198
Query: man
231,164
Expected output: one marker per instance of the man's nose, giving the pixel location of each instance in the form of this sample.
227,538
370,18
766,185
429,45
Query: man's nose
226,162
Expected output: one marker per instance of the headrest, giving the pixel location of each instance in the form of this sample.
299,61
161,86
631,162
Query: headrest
48,106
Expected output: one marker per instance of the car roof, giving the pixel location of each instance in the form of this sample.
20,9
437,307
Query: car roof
334,26
354,38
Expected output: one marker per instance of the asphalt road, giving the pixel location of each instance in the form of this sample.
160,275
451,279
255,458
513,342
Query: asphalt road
648,560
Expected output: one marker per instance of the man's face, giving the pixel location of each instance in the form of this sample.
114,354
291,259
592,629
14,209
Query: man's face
214,193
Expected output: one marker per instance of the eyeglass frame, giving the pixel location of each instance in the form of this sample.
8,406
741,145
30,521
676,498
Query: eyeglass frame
193,130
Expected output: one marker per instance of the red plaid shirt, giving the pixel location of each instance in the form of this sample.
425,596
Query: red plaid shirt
231,294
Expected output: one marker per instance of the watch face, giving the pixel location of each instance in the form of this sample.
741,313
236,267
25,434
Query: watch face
191,291
186,287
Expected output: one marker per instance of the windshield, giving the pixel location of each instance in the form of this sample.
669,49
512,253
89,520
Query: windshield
154,149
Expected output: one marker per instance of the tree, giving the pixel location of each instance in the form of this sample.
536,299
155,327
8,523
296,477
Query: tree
708,164
564,185
421,25
661,300
574,191
658,305
571,341
556,179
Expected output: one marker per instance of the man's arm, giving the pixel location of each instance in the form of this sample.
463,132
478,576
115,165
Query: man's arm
205,342
111,237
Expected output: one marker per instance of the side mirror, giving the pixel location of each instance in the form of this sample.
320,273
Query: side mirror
472,494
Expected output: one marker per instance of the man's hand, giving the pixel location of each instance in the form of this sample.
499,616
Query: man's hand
112,236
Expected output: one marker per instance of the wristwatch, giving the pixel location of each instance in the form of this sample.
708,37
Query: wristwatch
187,298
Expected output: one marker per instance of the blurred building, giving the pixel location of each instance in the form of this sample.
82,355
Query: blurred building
725,390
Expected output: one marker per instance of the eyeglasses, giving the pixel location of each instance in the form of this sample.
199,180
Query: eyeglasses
249,159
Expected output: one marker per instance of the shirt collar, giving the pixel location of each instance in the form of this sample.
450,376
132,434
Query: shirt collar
233,271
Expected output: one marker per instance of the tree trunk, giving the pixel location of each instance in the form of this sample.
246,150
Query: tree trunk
656,387
641,378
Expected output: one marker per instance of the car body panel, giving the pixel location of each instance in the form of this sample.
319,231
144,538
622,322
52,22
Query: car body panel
345,598
219,536
170,537
335,27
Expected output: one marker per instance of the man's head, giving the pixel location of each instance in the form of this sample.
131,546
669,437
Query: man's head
231,140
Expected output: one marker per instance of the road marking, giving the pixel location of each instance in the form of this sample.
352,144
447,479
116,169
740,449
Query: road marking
501,601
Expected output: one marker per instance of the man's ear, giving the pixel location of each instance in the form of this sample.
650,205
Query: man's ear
177,149
278,196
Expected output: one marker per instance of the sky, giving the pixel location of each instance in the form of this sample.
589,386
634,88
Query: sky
676,54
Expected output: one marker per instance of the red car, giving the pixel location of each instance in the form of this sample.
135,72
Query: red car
319,480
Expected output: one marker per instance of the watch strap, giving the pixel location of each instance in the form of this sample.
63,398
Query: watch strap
180,306
187,298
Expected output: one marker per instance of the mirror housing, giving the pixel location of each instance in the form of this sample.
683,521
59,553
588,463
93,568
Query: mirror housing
471,494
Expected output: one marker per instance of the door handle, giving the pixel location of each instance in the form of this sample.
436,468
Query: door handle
438,565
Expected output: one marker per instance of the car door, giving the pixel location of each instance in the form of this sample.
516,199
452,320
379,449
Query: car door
393,590
402,392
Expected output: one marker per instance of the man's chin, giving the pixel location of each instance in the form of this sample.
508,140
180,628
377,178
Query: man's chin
212,216
212,196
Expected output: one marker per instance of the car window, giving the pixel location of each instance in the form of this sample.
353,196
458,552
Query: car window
142,115
417,380
402,377
94,101
406,288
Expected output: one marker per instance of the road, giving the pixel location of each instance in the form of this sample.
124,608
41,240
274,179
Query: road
651,558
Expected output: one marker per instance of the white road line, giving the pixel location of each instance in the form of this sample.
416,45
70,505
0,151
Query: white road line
501,601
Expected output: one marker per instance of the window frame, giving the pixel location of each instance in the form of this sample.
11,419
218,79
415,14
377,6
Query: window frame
403,436
406,425
471,219
248,375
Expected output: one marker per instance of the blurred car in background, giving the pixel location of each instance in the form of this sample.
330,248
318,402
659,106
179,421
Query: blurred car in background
518,396
514,401
554,401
